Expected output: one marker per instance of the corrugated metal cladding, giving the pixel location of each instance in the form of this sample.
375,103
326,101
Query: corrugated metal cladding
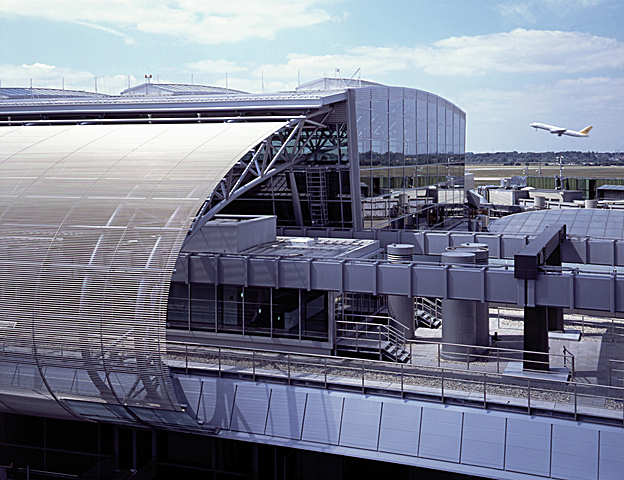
338,113
92,218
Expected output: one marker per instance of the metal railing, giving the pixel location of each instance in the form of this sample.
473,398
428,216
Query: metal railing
430,307
372,334
616,367
611,327
595,403
479,358
383,319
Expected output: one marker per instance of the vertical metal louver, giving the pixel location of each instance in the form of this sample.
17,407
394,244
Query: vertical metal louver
92,218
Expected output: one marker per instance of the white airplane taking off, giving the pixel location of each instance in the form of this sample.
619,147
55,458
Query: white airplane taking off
562,131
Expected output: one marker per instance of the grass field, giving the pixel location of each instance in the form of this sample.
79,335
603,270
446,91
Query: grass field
487,174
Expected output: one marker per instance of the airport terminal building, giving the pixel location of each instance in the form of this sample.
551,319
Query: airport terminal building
202,281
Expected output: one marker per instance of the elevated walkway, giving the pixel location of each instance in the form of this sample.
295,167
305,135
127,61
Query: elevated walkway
365,424
553,286
481,388
575,248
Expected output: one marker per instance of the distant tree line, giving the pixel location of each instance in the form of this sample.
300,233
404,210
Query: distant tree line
569,157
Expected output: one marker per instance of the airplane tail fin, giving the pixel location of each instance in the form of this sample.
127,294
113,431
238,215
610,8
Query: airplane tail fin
586,130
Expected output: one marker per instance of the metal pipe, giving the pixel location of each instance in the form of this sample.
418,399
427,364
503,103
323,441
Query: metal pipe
575,402
442,384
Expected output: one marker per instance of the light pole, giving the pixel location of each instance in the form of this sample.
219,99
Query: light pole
148,77
560,157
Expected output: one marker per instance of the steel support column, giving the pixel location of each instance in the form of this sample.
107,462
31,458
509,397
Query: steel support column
555,319
295,199
535,338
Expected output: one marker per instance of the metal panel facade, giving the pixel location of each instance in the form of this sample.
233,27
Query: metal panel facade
285,417
475,441
440,434
360,423
483,441
601,291
216,402
574,452
322,418
611,465
92,218
400,428
500,245
250,408
528,447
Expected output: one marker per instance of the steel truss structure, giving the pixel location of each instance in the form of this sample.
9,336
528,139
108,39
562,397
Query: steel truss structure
276,154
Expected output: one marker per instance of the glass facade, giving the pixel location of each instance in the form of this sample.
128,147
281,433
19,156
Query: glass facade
407,140
279,313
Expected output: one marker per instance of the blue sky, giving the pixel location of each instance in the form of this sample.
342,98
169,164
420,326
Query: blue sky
505,62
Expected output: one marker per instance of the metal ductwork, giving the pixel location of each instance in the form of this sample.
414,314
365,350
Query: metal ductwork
465,322
401,307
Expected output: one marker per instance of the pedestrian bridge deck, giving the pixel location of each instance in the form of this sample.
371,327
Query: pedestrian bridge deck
482,389
247,403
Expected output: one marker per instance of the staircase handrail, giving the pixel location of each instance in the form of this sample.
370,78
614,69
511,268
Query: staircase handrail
389,332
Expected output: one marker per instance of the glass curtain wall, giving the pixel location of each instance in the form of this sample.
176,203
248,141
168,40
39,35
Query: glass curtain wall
407,140
281,313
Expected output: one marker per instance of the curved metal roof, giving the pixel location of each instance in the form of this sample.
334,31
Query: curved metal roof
333,83
177,89
44,93
92,218
580,222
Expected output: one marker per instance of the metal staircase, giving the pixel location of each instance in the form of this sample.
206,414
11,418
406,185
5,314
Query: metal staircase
428,312
381,337
317,196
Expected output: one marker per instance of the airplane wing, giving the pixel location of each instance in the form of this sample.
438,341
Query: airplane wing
549,128
557,130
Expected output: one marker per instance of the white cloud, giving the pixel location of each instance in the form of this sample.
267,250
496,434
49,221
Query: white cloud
570,3
201,21
516,52
126,38
373,61
51,76
525,51
528,11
